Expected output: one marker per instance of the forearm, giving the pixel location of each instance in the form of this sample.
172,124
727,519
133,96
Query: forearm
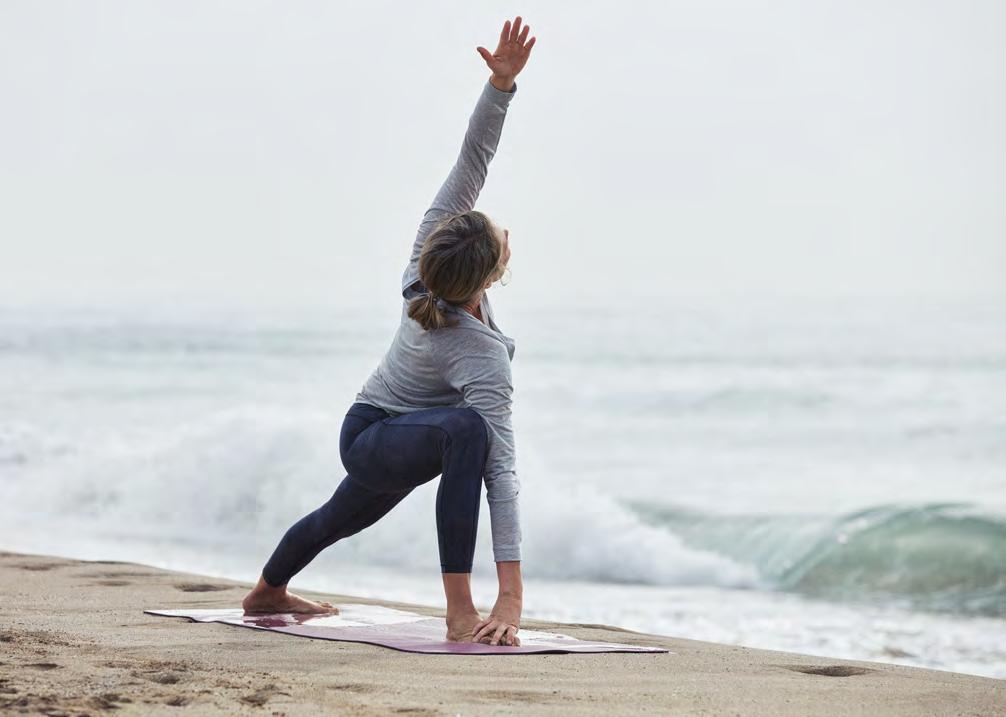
504,515
478,147
510,582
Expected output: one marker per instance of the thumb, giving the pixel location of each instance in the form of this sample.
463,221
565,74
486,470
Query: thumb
486,55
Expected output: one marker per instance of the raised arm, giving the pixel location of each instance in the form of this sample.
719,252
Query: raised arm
468,175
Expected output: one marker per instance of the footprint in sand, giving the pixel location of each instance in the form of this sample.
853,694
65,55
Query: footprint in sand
201,587
116,574
165,678
39,567
37,637
257,698
829,670
525,696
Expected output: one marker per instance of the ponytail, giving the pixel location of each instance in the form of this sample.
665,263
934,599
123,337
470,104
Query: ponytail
424,309
458,257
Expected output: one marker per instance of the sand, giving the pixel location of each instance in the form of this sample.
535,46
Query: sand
74,640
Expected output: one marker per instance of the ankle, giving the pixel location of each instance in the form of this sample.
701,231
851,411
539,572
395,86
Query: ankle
264,588
455,612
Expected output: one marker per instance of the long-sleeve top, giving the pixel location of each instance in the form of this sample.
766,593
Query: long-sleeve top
467,365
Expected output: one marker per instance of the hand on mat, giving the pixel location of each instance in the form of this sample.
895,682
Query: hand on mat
501,627
511,53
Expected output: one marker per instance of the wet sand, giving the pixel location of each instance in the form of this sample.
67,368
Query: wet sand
74,640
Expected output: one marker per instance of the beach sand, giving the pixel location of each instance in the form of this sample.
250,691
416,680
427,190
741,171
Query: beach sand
74,640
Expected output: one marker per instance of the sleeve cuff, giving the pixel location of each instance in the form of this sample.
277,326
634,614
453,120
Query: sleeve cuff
509,555
499,97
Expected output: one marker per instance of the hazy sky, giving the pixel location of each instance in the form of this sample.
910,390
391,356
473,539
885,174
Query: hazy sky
286,151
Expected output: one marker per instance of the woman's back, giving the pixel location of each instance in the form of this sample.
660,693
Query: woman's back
415,371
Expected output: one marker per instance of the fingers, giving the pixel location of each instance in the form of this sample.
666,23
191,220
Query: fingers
494,632
499,633
514,33
510,637
484,630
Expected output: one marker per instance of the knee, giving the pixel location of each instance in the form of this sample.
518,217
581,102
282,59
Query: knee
467,425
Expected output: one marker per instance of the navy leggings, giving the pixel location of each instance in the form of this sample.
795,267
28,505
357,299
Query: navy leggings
386,457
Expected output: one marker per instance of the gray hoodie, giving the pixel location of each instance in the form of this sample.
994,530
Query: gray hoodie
463,365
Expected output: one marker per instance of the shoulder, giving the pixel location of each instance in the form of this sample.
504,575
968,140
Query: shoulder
468,338
470,353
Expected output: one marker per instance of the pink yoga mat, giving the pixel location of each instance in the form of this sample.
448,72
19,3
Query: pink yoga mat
397,629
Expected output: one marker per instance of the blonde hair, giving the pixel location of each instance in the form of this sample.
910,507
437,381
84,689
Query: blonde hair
457,259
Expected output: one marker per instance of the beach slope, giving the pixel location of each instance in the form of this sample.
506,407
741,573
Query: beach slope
74,640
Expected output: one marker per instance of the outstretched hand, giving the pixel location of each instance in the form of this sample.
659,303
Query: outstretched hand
511,54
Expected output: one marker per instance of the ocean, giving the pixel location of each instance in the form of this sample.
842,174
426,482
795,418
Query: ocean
825,476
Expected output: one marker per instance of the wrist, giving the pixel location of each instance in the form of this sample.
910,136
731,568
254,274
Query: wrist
503,83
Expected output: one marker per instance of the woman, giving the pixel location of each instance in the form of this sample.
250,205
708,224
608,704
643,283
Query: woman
439,402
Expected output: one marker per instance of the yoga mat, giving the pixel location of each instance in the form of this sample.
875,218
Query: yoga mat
397,629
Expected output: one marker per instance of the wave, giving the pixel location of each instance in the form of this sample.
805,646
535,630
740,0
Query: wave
947,557
231,482
234,481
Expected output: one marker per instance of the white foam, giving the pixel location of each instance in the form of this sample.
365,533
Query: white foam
240,477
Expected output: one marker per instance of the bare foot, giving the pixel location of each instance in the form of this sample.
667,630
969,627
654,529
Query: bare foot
264,598
461,628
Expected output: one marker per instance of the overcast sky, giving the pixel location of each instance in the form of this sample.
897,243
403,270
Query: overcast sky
286,151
